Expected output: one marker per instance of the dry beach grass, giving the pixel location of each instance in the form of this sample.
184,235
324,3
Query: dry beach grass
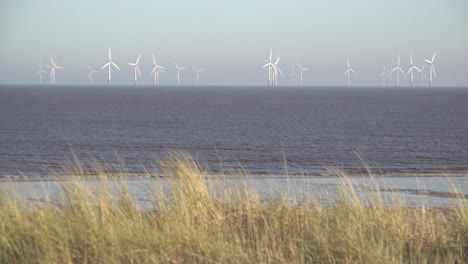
191,224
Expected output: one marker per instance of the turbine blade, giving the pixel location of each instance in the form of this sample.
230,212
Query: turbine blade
115,65
105,65
277,60
279,69
138,59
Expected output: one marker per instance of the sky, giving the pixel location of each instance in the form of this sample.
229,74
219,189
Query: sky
231,39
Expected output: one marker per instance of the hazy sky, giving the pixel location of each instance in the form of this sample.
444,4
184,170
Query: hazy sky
231,39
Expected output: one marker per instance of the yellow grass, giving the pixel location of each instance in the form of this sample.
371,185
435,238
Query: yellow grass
191,224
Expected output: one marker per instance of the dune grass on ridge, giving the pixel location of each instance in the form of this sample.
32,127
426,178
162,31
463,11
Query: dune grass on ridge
191,224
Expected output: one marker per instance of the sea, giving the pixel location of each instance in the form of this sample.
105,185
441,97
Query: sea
264,131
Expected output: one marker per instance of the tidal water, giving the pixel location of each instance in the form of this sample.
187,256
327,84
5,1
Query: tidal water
266,131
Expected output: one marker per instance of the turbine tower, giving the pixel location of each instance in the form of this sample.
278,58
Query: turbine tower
40,72
348,72
90,74
198,72
431,69
109,64
301,70
52,68
156,70
411,69
398,70
178,73
136,69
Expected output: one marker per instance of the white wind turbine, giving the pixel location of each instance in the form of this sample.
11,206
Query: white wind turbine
136,69
109,64
52,68
389,75
398,70
293,75
301,70
178,72
269,64
431,69
276,69
156,70
423,74
40,72
411,69
348,72
90,74
198,72
385,75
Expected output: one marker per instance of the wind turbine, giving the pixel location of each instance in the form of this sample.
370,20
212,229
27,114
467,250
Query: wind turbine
156,70
52,68
178,72
276,69
384,75
272,69
398,70
431,69
198,71
389,75
136,69
348,72
301,70
293,75
40,72
412,68
109,64
90,74
423,74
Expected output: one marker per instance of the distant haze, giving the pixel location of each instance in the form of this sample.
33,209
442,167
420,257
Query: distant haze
231,39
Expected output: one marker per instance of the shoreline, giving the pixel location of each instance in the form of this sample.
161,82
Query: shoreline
247,175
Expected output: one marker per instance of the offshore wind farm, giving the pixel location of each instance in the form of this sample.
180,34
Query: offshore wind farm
233,131
274,72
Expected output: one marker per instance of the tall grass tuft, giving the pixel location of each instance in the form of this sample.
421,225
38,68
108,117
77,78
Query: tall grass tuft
195,221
